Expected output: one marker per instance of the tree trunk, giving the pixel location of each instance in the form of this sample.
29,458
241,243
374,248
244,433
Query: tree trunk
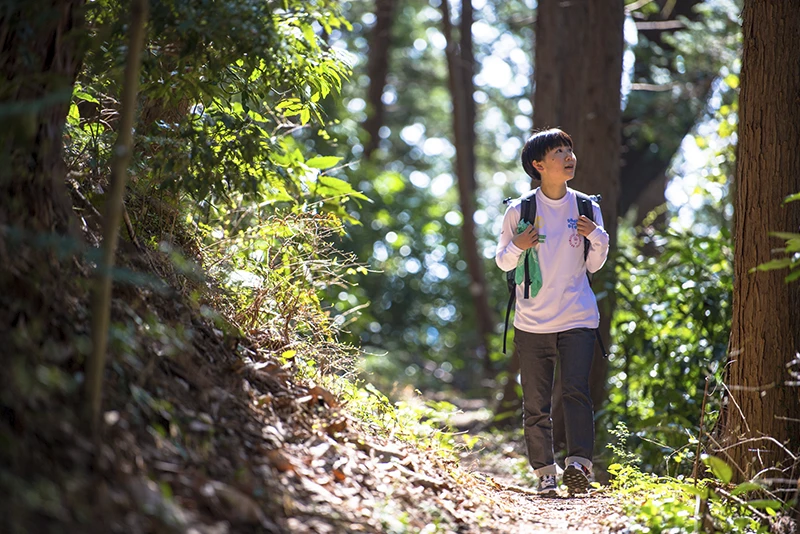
581,95
39,60
467,88
461,67
40,56
377,69
765,334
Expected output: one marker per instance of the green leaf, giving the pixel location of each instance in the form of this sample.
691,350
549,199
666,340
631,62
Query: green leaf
290,104
335,187
721,470
791,198
74,117
792,276
323,162
781,263
166,490
746,487
697,491
766,503
788,236
85,96
311,37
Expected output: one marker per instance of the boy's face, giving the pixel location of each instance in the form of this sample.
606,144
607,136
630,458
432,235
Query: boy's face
558,165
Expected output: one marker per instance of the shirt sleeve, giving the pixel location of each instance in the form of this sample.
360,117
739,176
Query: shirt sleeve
598,251
507,254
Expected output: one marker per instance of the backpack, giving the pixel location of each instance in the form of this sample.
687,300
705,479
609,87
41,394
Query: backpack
528,214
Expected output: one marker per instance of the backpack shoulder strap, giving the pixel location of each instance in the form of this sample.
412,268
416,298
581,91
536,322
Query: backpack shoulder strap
585,208
527,213
528,209
585,204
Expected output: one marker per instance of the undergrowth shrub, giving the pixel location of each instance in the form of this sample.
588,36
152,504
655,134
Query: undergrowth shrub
670,330
275,271
662,503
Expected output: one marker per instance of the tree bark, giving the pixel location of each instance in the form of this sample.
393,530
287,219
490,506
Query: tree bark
765,334
461,67
578,89
377,70
41,52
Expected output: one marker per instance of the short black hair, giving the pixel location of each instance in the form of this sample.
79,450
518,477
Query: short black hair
539,144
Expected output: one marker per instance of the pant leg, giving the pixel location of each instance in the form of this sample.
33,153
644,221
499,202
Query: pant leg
537,358
576,349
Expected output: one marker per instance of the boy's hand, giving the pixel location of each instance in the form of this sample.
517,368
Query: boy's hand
526,239
585,226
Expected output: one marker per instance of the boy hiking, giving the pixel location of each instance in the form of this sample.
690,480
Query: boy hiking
556,311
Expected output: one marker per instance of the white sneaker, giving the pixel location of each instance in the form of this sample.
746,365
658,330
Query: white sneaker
576,478
547,486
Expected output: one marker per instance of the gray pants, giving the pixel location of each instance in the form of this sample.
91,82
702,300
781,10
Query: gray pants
538,353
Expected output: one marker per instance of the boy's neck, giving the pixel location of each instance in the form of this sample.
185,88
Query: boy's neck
555,191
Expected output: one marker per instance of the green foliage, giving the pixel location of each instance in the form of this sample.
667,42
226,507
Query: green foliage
667,504
791,260
276,268
682,504
419,422
227,89
718,467
219,101
671,333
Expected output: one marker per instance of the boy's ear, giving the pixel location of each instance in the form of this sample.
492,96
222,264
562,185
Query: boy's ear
537,165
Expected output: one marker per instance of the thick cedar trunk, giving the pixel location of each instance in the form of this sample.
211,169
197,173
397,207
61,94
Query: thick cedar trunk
765,334
578,90
461,68
377,69
40,55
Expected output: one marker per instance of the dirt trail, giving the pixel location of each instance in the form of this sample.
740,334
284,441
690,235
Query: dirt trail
519,509
596,512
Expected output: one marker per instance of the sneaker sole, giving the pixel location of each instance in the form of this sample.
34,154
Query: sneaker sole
548,494
575,480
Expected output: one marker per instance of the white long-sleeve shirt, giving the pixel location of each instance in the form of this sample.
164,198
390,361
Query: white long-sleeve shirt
565,300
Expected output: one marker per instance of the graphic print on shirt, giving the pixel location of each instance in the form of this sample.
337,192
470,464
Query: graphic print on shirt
574,239
538,223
